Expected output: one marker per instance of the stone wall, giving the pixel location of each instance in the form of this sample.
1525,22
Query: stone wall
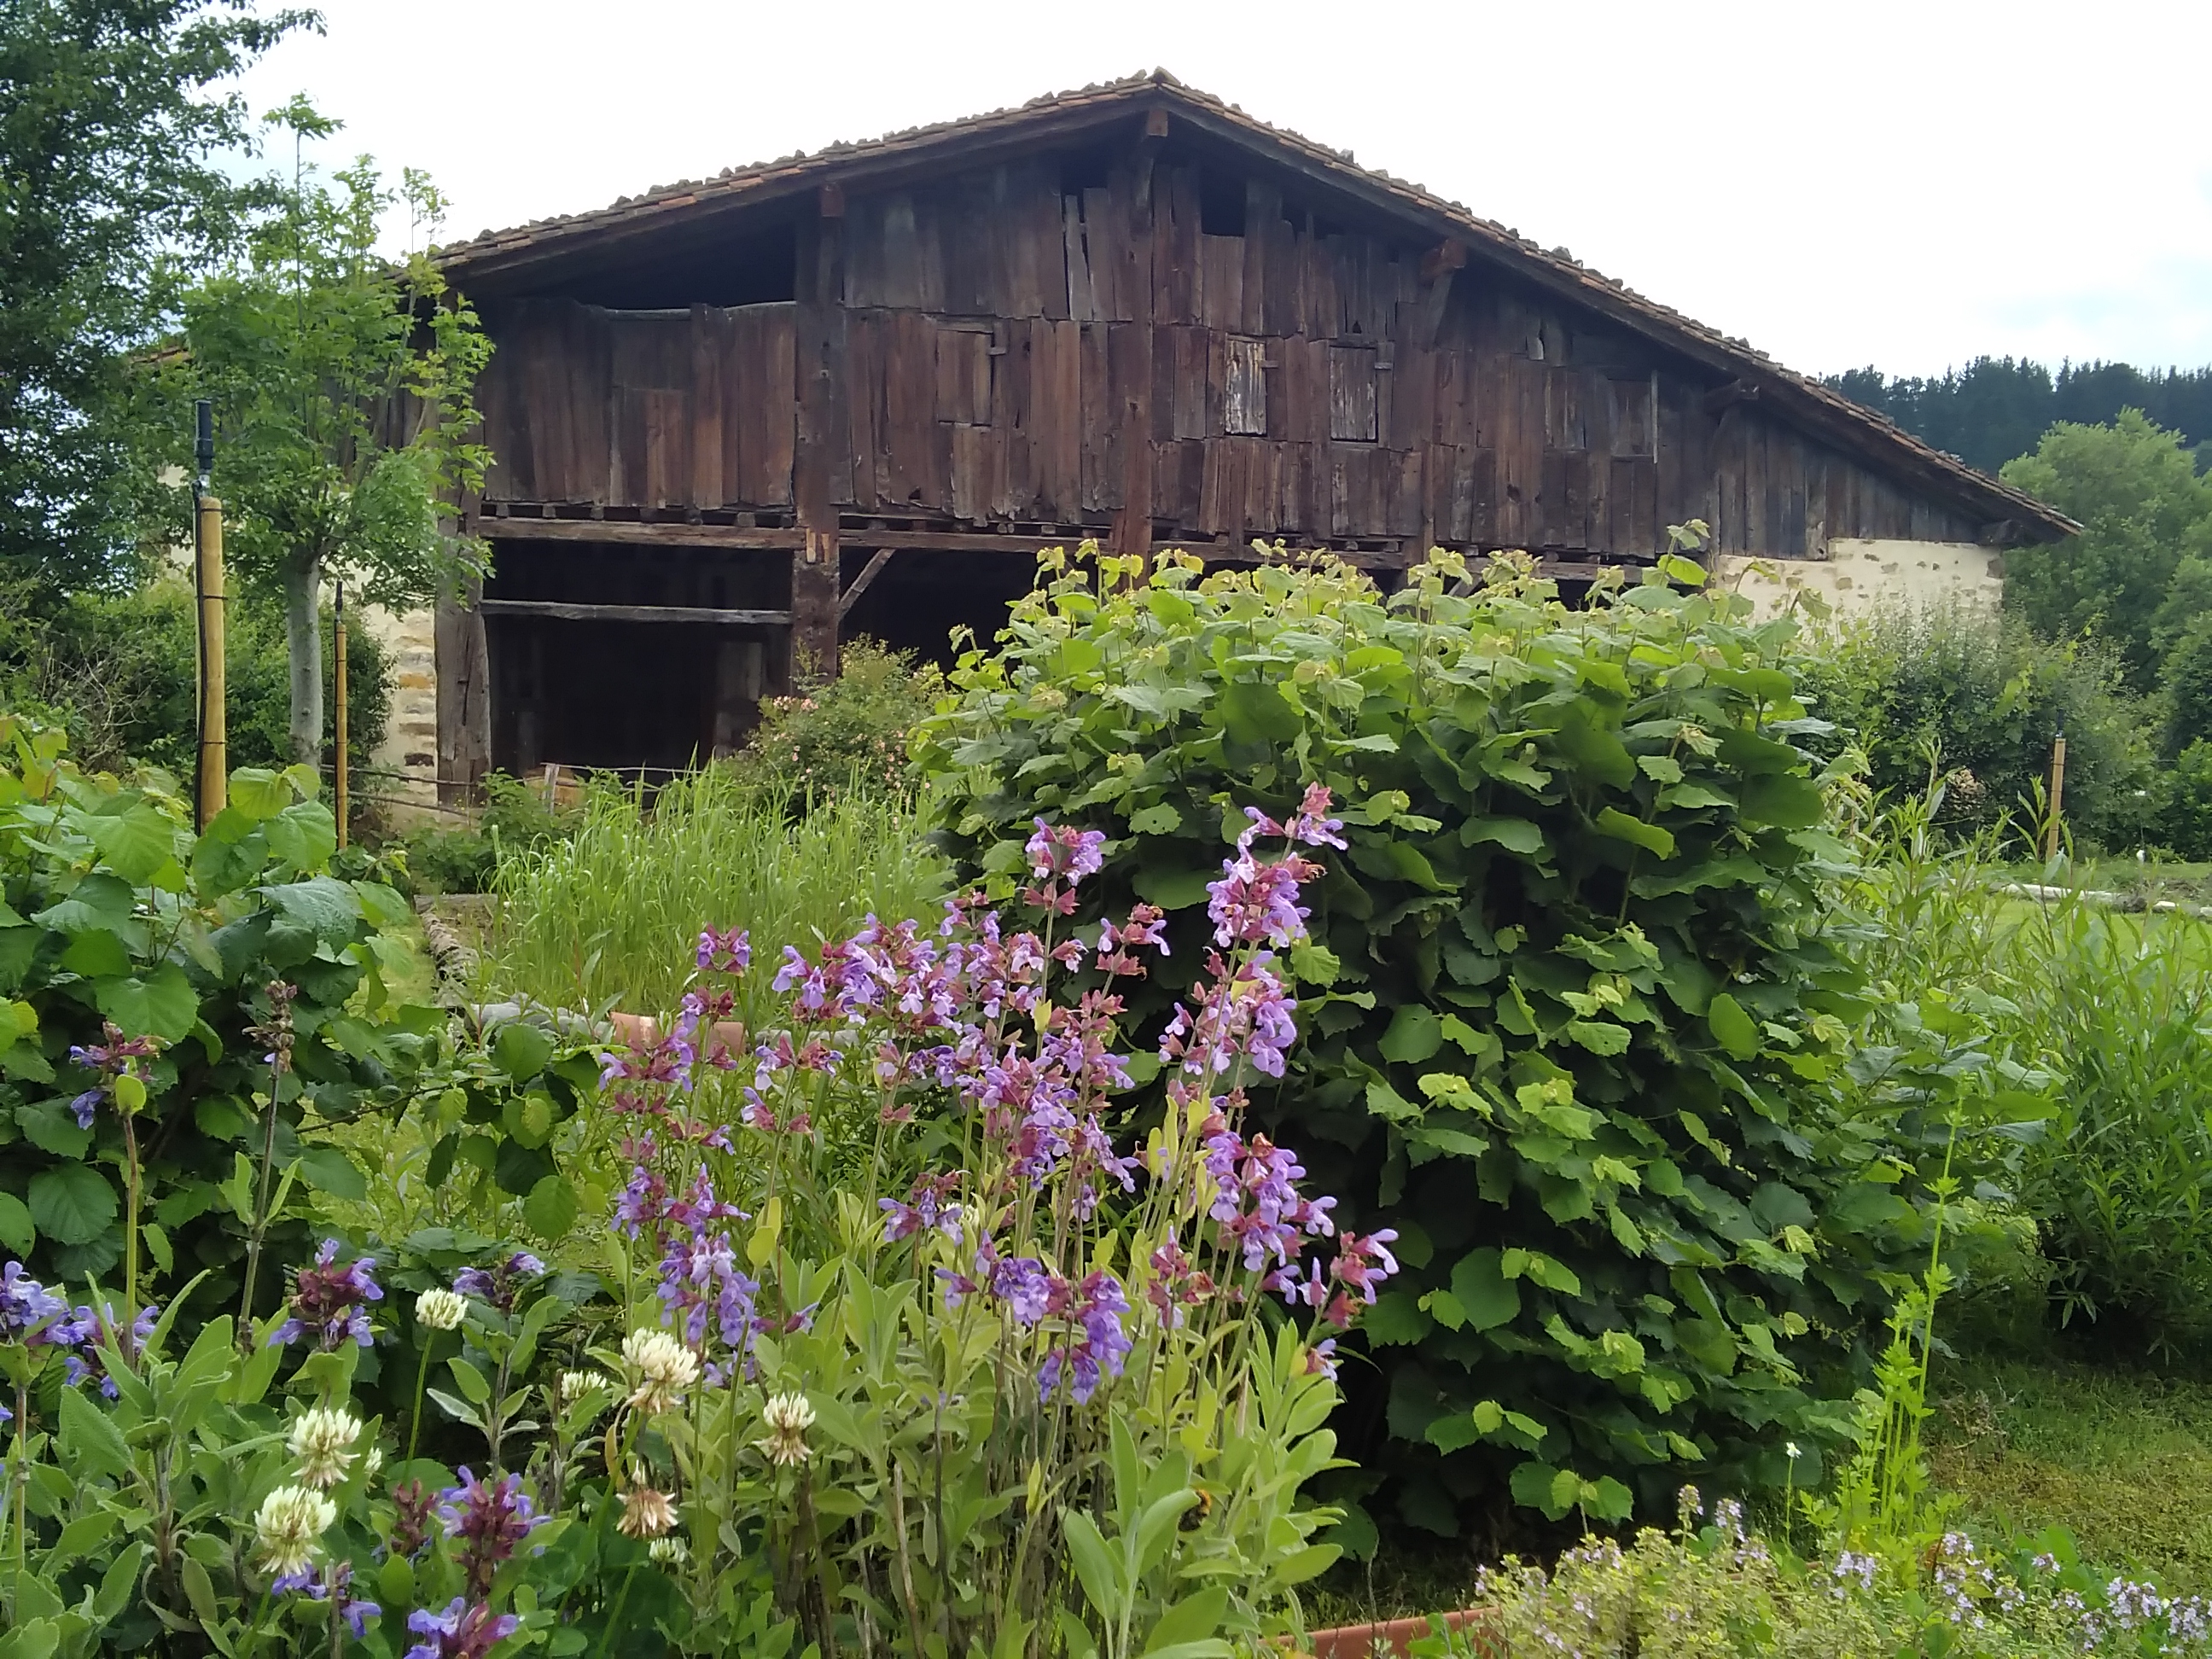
1859,575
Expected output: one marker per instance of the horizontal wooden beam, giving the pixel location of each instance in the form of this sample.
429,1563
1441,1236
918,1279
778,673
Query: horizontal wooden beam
630,534
642,613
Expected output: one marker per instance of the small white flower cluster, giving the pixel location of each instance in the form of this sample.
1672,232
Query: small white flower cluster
664,1367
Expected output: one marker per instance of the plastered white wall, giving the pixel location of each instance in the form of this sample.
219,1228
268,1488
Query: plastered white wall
1861,575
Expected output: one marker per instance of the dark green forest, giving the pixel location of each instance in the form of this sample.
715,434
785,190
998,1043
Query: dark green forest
1996,408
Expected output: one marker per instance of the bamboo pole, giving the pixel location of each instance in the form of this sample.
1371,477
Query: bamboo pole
2057,795
338,679
213,789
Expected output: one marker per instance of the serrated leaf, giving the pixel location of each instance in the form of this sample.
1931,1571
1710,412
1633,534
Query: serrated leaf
1488,1296
521,1050
1652,838
72,1204
160,1004
551,1208
1413,1035
1160,819
91,1446
16,1233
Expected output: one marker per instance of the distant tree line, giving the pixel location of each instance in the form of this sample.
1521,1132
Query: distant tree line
1998,408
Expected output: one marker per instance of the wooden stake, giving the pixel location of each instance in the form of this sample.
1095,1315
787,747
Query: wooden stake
213,791
338,680
2057,795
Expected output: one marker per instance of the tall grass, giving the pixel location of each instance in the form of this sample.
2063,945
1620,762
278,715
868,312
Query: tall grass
611,917
2117,1009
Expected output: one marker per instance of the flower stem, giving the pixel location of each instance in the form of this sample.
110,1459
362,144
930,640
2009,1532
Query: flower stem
421,1378
130,1199
260,1215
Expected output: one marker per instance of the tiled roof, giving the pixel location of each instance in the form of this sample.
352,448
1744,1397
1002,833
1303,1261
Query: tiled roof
1807,401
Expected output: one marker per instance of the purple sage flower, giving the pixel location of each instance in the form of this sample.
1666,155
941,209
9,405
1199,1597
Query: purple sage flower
730,952
25,1303
327,1300
463,1631
491,1518
336,1580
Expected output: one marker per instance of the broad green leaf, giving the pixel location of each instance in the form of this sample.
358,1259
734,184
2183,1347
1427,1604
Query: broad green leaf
1171,889
1733,1029
1161,819
551,1208
72,1204
1515,835
1414,1035
1488,1296
1652,838
1794,803
257,794
328,1169
522,1049
16,1233
98,903
135,843
1094,1565
160,1004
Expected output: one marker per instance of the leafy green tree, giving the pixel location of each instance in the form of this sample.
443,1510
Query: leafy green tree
2143,510
341,381
113,131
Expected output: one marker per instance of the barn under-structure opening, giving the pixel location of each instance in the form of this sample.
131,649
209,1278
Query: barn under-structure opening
736,421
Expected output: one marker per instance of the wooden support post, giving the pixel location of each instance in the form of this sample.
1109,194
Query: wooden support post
213,790
1132,525
822,459
873,569
2057,796
343,794
463,656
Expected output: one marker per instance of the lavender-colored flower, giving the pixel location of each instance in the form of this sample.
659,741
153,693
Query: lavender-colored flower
926,1208
730,952
498,1284
85,1331
1096,1309
25,1303
1256,1200
327,1300
463,1631
337,1579
111,1059
491,1518
1061,852
1255,903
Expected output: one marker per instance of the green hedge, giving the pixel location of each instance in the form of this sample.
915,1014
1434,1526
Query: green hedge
1571,1020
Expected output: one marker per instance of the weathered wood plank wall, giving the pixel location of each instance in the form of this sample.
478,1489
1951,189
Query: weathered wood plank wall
1004,338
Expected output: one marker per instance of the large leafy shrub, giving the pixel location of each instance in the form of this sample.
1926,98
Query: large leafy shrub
1569,1010
1984,697
119,925
849,730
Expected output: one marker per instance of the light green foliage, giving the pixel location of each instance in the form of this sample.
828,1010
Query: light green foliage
117,672
1571,1018
1717,1592
2143,509
516,819
2118,1010
850,732
1984,697
112,912
609,916
342,383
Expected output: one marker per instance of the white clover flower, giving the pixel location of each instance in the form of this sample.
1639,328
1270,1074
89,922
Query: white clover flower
322,1439
372,1462
665,1369
669,1552
285,1528
788,1417
439,1309
574,1385
647,1511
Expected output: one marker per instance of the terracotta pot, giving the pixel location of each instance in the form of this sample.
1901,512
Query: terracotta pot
1361,1641
724,1036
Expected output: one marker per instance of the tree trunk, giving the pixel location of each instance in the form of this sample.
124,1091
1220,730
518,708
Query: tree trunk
303,646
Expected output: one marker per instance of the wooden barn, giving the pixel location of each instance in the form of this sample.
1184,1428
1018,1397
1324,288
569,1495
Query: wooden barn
855,391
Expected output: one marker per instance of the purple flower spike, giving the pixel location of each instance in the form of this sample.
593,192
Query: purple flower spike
25,1304
461,1631
327,1300
730,952
491,1518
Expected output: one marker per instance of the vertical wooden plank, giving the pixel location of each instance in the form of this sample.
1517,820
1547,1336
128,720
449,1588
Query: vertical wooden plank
1131,185
1243,385
1100,429
709,336
1263,211
1221,282
1352,394
867,465
464,669
822,462
1081,299
1062,406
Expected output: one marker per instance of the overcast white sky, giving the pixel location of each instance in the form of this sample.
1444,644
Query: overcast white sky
1908,185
